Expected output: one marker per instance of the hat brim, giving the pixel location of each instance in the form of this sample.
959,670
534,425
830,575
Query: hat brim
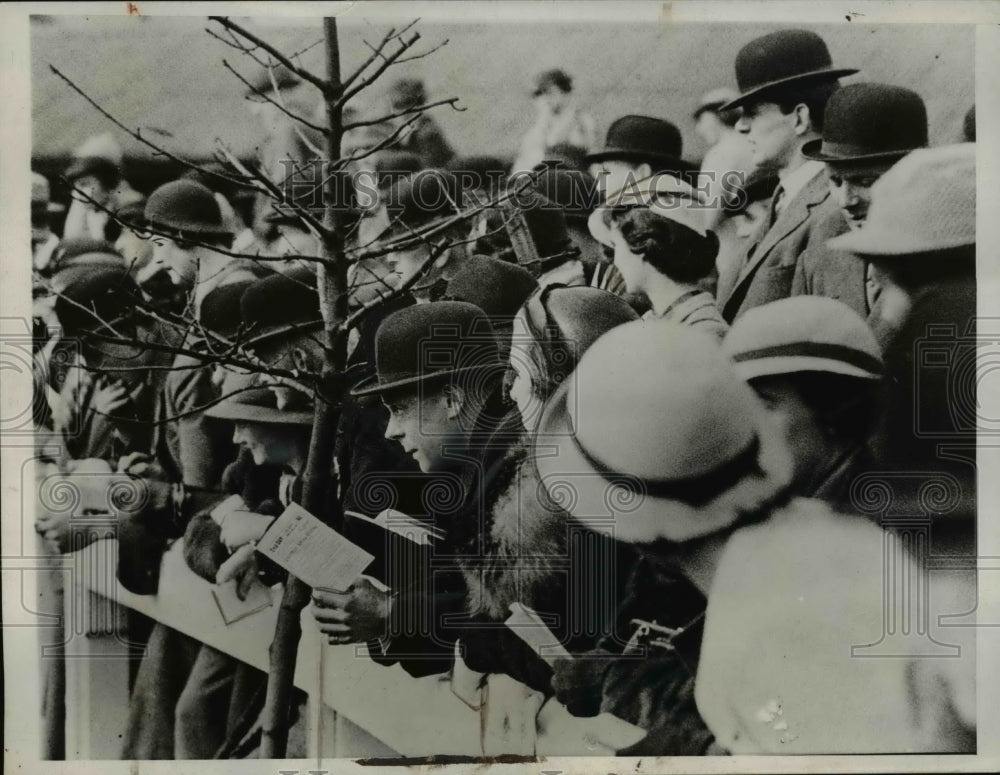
267,335
815,76
191,230
772,367
880,241
667,163
574,485
813,150
372,387
234,411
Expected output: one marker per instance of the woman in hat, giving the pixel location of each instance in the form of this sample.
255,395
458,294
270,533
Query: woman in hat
687,463
662,249
528,548
816,365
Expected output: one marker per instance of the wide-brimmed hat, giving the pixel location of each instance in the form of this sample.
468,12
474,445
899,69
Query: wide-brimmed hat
258,405
429,342
281,306
664,195
185,207
803,333
870,122
713,101
497,287
655,430
781,60
644,139
926,202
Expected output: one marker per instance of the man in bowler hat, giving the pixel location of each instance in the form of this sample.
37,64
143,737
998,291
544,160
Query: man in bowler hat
785,80
867,129
637,147
439,373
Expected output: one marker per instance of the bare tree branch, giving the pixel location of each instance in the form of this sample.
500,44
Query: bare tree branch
278,105
306,75
419,109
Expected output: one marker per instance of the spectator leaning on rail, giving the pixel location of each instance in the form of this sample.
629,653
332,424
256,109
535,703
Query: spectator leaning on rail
439,373
662,249
817,368
707,492
786,78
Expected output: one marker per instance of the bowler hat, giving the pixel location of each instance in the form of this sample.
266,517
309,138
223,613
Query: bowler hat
430,342
644,139
220,309
870,121
281,305
663,195
267,77
803,333
780,60
90,295
258,405
85,251
926,202
497,287
185,207
549,78
574,191
421,202
538,232
655,430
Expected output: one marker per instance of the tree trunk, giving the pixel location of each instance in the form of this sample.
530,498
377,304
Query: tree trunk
319,491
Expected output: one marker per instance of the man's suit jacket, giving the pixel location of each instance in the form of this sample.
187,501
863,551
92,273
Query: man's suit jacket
772,261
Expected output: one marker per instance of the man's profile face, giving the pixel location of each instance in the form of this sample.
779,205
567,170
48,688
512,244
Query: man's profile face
770,133
423,424
850,185
179,262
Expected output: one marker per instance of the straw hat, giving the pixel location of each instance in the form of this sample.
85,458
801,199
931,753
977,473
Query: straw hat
661,194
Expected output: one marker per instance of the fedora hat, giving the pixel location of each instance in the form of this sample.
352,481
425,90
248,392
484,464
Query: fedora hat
655,430
870,122
280,305
185,207
661,194
644,139
803,333
925,202
497,287
258,405
429,342
419,203
782,59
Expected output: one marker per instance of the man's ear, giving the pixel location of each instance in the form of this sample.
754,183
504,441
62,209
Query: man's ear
643,171
454,398
803,121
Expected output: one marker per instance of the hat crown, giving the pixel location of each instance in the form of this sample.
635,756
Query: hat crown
186,206
497,287
424,198
660,401
430,339
803,333
875,118
780,55
644,134
585,314
279,301
929,194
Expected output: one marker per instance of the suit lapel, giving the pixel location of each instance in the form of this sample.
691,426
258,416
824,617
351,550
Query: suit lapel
796,212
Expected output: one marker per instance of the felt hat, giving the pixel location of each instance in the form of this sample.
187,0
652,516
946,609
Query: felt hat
407,92
538,232
258,405
185,207
655,430
713,101
281,305
803,333
497,287
644,139
664,195
83,252
870,122
419,203
926,202
98,166
133,215
430,342
782,60
88,295
221,308
549,78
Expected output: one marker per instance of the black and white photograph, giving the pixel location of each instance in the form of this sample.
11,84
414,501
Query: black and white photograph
532,387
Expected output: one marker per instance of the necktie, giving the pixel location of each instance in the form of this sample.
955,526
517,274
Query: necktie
779,194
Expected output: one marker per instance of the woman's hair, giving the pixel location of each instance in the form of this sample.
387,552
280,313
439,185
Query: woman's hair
671,248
